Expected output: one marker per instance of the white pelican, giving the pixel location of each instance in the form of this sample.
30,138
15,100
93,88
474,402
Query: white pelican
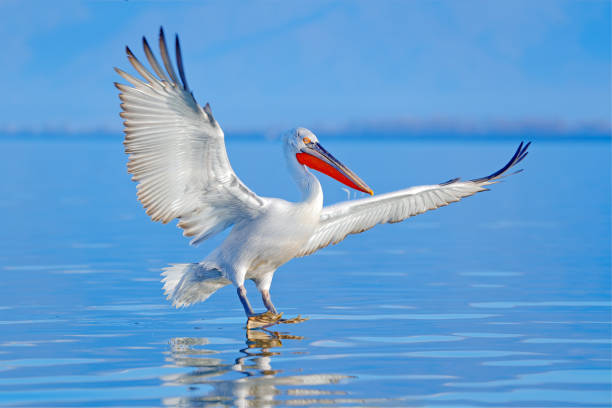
177,155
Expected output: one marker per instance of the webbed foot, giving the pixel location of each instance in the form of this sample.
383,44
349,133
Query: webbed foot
263,320
297,319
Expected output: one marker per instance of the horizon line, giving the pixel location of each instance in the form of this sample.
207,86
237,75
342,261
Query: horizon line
397,128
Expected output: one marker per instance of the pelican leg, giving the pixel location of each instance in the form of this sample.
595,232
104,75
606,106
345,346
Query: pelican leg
267,301
265,319
245,301
256,320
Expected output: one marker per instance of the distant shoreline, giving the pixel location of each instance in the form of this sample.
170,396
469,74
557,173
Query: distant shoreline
355,135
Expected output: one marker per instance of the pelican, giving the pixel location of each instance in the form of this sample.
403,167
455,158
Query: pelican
177,155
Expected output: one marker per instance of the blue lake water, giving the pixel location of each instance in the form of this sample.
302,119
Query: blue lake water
502,299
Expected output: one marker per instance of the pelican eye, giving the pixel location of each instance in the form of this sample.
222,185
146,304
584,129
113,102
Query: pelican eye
306,140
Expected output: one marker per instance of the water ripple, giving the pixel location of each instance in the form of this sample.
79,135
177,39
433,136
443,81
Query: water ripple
524,363
48,362
409,339
404,316
593,376
512,304
524,395
489,335
569,341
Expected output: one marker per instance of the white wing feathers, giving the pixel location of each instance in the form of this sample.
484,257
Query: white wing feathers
352,217
177,151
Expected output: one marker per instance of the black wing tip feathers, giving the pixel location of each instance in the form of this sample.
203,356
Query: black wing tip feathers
519,155
162,35
145,44
208,112
179,62
164,50
451,181
163,47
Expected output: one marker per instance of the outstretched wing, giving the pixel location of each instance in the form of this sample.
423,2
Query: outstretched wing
352,217
177,151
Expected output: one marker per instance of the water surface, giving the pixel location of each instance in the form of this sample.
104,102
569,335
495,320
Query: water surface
500,300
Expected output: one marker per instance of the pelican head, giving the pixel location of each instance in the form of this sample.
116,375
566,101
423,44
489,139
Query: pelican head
303,146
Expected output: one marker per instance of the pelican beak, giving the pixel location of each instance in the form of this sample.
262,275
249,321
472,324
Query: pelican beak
317,158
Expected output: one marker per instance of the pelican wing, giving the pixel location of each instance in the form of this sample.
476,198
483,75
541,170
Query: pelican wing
177,151
352,217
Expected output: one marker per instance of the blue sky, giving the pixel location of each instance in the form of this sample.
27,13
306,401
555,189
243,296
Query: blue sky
270,65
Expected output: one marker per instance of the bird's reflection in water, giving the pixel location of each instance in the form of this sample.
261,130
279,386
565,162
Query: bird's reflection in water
257,381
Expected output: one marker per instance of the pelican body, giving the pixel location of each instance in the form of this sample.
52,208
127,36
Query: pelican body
177,155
